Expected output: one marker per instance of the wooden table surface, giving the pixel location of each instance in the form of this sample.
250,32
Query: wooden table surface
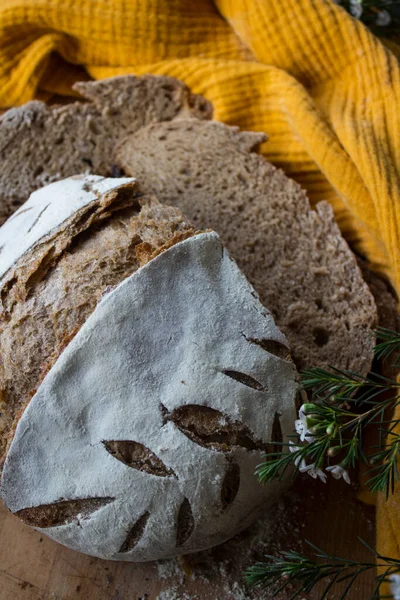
33,567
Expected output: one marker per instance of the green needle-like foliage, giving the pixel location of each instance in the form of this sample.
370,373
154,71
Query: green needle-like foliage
291,568
386,473
389,344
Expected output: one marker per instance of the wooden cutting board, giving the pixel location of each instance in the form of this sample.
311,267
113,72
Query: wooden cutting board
33,567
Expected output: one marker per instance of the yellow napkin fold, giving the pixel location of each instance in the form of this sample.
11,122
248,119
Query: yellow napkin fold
317,81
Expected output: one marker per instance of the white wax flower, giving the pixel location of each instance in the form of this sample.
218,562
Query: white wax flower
337,471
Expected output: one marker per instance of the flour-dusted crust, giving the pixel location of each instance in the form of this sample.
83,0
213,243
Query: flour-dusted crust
142,440
47,209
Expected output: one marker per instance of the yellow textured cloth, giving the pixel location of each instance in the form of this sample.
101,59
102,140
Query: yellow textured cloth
325,90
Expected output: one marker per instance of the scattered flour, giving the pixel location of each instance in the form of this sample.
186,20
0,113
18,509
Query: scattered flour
171,569
173,594
217,574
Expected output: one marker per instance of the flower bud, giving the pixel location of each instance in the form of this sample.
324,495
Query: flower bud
330,430
316,430
308,407
334,450
312,423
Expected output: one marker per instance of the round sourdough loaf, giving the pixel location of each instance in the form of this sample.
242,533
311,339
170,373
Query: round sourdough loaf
141,378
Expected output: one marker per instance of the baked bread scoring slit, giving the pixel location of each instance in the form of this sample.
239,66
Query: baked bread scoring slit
276,435
36,221
211,428
230,485
272,347
135,534
185,523
137,456
245,379
62,512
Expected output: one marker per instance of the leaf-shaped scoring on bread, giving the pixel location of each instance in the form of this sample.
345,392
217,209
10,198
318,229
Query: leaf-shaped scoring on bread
135,534
276,434
272,347
211,428
275,445
62,512
136,455
37,219
245,379
185,523
230,485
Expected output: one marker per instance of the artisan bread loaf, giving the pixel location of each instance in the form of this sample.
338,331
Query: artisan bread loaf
41,144
141,378
295,257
